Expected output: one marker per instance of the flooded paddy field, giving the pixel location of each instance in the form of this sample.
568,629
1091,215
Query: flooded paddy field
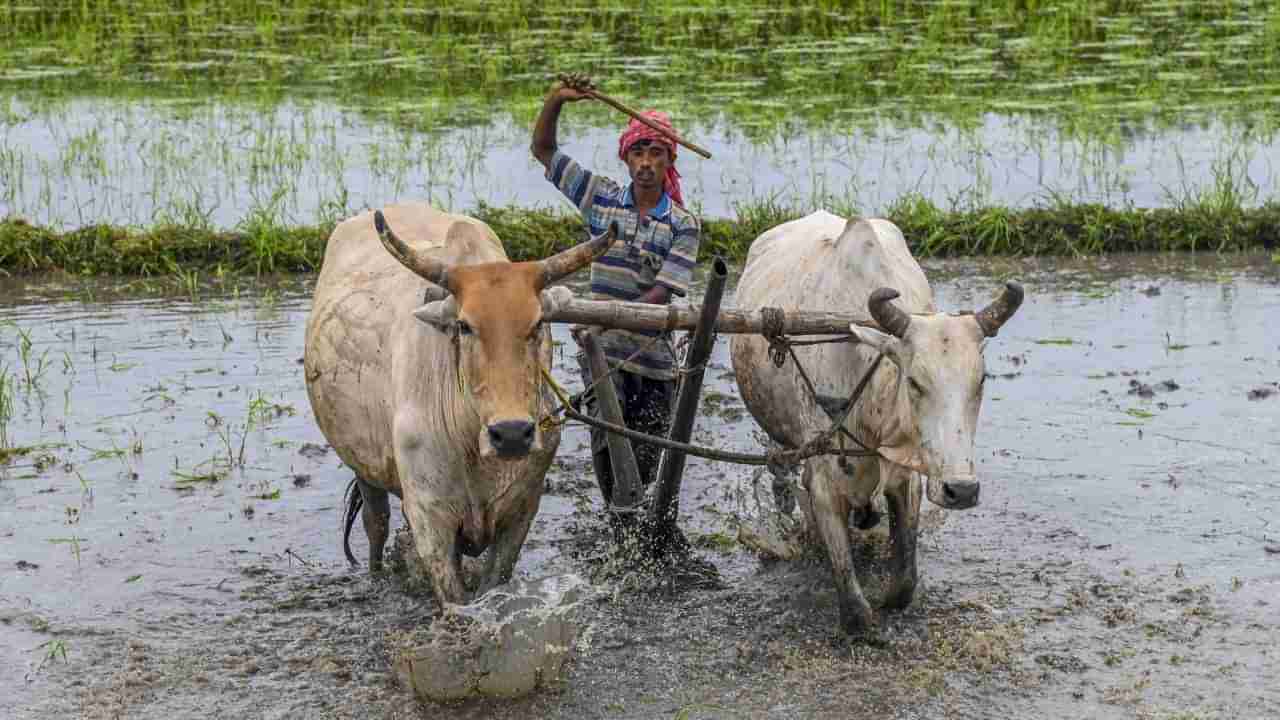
170,514
170,538
148,162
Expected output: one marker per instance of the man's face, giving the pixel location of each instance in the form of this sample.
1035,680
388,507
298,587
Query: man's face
647,162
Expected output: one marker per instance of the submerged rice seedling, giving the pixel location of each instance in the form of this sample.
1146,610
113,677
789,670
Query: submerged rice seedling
261,411
209,471
6,406
224,431
53,650
74,542
103,453
33,366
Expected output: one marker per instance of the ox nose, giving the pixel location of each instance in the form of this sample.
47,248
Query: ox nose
511,438
961,494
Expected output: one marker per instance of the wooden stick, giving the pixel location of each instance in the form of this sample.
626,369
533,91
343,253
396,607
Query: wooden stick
669,318
596,94
626,492
666,501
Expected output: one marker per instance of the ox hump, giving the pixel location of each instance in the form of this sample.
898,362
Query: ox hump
459,238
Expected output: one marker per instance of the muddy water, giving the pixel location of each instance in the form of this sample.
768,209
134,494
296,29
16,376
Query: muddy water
1118,563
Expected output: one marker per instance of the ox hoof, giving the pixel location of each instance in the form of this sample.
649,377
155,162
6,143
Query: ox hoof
865,635
900,596
857,623
865,518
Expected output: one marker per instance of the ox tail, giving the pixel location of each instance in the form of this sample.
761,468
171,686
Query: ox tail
353,501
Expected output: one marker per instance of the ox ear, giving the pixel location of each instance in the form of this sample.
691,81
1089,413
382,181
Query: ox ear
441,313
881,342
434,292
554,299
898,352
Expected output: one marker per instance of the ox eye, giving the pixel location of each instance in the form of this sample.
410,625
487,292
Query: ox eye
464,328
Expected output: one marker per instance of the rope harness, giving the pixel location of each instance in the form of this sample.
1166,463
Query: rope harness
773,322
456,338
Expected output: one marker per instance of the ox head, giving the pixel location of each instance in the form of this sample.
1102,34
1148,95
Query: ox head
933,405
493,313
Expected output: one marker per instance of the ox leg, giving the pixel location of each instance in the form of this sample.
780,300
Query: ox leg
501,562
435,537
902,492
831,513
432,513
376,517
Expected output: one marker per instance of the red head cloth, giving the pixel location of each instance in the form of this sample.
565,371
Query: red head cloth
637,131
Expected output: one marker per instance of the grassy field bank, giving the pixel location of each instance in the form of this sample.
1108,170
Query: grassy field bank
260,246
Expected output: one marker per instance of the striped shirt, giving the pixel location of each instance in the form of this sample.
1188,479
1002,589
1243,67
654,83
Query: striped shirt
660,248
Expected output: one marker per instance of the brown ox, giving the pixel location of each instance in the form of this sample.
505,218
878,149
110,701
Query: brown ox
438,403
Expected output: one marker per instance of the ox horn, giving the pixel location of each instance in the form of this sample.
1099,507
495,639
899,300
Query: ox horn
991,317
428,267
575,258
893,320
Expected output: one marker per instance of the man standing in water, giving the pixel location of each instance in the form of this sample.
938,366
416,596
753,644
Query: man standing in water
653,262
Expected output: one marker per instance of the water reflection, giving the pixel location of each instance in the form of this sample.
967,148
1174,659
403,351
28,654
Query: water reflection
144,163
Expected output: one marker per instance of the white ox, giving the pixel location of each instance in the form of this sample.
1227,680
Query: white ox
920,408
438,403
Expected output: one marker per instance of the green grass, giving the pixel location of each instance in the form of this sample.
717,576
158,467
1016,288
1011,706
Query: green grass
760,62
189,480
162,250
535,233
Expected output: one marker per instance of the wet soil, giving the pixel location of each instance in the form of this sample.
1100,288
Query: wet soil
1118,566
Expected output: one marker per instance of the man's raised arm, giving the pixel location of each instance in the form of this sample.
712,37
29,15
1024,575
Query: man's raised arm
544,130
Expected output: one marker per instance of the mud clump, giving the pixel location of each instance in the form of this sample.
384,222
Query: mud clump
506,643
1062,662
1144,390
1265,391
313,451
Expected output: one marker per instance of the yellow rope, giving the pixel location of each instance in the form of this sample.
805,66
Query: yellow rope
550,420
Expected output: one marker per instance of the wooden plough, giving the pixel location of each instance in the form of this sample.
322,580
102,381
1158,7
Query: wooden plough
705,322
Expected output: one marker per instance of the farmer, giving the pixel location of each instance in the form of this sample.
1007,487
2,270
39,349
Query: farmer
652,261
